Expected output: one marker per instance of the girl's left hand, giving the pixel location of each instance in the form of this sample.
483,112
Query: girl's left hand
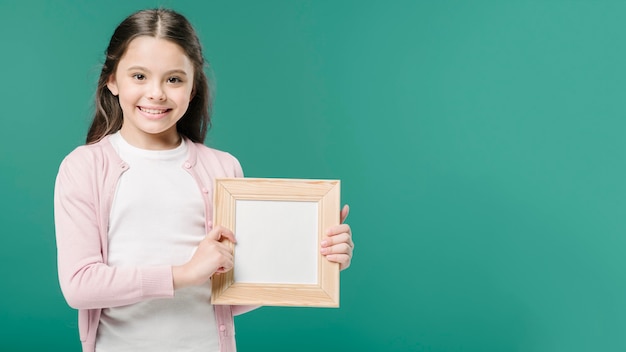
338,245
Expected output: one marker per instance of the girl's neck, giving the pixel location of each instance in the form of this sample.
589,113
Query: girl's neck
163,141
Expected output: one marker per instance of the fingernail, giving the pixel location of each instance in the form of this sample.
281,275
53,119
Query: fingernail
324,250
324,243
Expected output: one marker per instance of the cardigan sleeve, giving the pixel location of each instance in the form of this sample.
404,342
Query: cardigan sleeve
85,280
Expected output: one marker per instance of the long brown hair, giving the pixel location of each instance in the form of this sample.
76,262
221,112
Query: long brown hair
158,23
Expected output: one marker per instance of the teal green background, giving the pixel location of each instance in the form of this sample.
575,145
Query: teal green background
480,145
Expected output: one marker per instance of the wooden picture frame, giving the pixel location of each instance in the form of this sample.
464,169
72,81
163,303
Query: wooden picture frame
279,225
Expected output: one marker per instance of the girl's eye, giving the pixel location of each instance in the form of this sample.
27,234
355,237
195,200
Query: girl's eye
174,80
139,76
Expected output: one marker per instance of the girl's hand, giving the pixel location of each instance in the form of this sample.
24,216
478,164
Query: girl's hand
212,256
338,245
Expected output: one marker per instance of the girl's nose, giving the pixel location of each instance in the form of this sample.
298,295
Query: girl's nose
156,93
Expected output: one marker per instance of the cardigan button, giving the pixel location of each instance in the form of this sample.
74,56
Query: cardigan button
222,327
187,165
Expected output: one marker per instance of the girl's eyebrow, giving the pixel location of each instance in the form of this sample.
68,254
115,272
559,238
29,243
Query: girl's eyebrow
174,71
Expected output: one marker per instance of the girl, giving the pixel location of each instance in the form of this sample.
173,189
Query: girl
133,206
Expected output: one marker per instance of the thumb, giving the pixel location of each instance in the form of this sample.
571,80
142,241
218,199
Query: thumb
219,232
344,213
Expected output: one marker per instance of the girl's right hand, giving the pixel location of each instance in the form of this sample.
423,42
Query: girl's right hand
212,256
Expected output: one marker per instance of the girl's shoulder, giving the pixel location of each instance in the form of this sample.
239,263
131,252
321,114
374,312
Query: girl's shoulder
212,157
101,147
87,166
99,153
206,150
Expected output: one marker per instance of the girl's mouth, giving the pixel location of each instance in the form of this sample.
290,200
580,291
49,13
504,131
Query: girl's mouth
153,111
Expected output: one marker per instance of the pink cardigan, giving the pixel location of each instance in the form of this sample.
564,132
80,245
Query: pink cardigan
84,191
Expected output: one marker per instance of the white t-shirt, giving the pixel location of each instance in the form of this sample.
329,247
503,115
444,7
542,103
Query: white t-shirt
157,218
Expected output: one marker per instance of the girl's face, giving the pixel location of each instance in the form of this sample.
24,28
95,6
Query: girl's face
154,83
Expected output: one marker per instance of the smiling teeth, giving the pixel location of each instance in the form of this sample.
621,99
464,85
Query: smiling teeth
153,111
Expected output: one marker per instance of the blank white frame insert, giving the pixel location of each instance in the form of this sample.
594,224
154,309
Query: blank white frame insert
277,240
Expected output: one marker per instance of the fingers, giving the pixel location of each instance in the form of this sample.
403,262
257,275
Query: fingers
219,250
227,265
225,255
342,259
227,262
210,257
339,248
224,250
342,238
337,229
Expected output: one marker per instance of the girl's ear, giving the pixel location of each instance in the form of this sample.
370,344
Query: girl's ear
112,85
